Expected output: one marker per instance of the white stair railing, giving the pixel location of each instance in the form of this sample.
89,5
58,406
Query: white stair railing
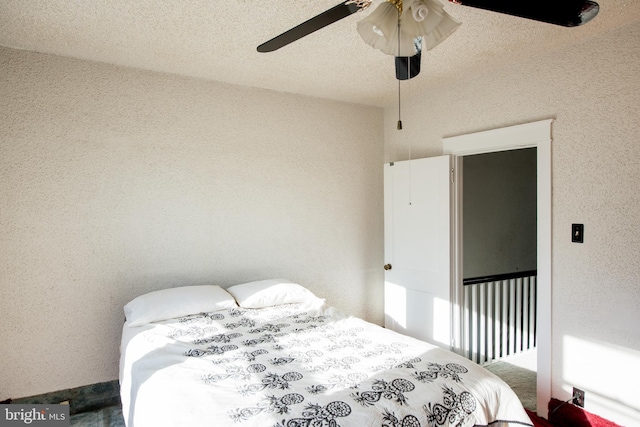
499,317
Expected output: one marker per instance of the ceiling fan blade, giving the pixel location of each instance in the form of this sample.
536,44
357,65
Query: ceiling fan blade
330,16
567,13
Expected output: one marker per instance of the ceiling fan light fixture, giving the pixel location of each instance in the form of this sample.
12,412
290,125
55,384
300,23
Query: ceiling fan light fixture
429,20
418,18
419,11
381,24
400,44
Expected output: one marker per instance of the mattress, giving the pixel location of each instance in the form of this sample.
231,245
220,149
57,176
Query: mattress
303,364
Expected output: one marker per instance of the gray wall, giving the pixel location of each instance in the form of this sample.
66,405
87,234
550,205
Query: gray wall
499,212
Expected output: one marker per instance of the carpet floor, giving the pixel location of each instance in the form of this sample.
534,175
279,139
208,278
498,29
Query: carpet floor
519,373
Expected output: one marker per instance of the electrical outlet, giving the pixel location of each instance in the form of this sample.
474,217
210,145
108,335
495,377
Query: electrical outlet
578,397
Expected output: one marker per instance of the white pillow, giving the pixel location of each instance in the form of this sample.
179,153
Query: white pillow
267,293
176,302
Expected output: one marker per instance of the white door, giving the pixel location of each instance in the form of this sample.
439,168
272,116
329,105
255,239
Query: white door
417,248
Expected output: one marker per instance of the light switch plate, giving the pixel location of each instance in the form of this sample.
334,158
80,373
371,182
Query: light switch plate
577,233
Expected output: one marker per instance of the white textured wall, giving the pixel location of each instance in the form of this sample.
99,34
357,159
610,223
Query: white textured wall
115,182
593,91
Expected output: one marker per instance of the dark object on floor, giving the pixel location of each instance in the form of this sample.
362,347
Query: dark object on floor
572,416
538,421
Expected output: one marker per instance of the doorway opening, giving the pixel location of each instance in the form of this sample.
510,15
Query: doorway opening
499,266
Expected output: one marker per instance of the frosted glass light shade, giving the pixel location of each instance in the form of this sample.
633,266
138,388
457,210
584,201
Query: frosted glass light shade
380,27
434,27
420,18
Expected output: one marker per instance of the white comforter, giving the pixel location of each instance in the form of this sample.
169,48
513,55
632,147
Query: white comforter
293,366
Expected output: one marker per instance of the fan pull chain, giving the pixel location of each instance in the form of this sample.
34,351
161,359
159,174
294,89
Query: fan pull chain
399,125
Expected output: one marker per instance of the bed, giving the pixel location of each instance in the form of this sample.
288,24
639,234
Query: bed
270,353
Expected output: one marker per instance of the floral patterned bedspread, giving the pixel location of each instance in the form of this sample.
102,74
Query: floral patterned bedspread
296,366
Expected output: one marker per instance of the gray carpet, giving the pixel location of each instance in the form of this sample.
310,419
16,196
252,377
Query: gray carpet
110,416
521,380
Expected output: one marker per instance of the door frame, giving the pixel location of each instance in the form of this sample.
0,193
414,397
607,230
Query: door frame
535,134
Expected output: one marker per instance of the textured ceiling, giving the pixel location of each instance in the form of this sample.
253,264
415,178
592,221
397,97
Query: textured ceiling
217,40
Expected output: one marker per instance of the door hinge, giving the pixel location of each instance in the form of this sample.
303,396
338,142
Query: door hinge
452,175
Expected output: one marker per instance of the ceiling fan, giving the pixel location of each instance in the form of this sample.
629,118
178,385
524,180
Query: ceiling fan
404,30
